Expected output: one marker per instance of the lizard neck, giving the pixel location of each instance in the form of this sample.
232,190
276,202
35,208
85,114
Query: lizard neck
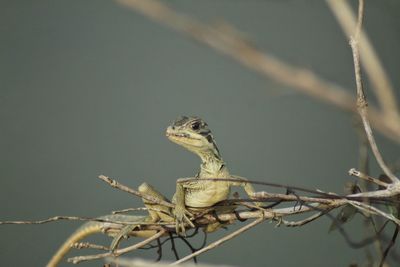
212,165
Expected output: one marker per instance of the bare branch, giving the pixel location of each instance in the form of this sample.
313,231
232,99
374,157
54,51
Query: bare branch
381,84
225,39
302,222
83,245
372,210
361,99
391,244
124,188
129,210
366,177
60,218
117,252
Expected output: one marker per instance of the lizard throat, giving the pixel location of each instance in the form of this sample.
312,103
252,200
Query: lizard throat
212,166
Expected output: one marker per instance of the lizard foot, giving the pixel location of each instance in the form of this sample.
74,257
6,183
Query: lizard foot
182,217
122,234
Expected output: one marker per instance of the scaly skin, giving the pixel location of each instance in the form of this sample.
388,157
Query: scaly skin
156,213
91,228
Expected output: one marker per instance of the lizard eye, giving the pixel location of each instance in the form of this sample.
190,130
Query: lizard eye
195,126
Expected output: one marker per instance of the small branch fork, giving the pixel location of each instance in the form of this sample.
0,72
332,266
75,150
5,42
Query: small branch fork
385,95
117,252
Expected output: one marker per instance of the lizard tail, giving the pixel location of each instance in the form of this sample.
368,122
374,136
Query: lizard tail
82,232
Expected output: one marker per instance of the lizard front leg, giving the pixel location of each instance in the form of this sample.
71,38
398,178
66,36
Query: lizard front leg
157,213
248,188
182,215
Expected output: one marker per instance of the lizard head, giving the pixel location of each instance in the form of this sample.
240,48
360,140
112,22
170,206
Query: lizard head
193,134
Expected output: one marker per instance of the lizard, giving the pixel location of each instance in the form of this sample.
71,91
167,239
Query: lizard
193,134
198,194
156,212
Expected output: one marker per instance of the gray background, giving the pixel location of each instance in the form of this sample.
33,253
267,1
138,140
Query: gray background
88,88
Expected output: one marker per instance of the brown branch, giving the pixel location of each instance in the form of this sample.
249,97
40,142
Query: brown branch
224,39
59,218
76,218
129,210
360,19
124,188
83,245
117,252
301,222
361,99
381,84
366,177
266,196
362,109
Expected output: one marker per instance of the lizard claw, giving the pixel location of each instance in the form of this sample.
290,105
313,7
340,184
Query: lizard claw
182,217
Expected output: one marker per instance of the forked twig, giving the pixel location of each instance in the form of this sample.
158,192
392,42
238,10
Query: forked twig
122,187
368,178
344,15
117,252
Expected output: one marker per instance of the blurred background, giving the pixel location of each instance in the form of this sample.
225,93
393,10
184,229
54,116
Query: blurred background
89,87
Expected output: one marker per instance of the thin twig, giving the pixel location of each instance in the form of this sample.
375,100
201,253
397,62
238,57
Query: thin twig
266,196
72,218
381,84
362,108
124,188
159,249
391,244
361,99
84,245
117,252
360,19
366,177
51,219
173,247
287,187
220,241
302,222
192,249
372,210
129,210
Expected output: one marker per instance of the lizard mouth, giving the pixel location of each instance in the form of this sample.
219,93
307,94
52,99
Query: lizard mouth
180,135
168,134
171,134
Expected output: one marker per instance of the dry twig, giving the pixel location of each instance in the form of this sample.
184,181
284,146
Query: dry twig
124,188
344,15
381,84
225,39
117,252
